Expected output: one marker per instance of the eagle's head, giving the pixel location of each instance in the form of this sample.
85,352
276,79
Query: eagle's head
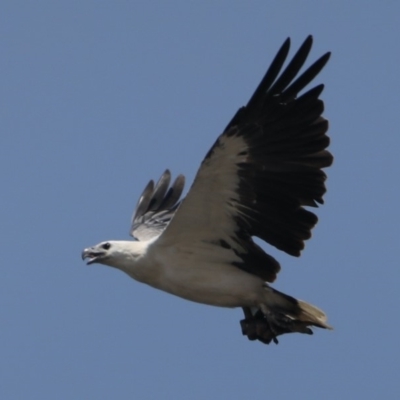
120,254
99,253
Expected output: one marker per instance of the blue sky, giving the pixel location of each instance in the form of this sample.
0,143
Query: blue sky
99,97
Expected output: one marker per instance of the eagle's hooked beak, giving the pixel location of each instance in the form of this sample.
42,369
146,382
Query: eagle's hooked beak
92,254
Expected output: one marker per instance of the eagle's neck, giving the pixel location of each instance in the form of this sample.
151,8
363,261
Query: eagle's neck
132,257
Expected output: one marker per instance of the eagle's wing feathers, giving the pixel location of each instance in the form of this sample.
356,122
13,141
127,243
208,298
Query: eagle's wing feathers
156,207
261,171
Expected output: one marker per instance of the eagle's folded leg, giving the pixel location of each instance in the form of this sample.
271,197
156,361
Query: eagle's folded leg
248,328
265,325
257,327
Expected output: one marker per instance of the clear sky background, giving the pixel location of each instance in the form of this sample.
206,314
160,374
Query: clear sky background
97,98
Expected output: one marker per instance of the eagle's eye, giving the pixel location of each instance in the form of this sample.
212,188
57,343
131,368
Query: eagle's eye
106,246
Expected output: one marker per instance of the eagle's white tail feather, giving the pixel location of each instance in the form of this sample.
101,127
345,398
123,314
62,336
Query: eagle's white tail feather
310,313
280,304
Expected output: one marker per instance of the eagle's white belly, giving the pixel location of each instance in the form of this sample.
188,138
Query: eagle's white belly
205,280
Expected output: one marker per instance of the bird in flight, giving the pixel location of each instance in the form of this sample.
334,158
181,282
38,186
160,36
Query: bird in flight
255,181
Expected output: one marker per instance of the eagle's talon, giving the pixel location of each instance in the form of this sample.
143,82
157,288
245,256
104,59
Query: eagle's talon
256,328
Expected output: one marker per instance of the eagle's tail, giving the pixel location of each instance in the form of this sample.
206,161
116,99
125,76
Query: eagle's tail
281,314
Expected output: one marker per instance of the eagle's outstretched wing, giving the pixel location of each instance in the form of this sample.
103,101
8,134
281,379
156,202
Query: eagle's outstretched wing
156,206
261,172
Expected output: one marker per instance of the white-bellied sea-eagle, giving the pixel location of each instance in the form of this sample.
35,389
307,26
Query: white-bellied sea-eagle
255,181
